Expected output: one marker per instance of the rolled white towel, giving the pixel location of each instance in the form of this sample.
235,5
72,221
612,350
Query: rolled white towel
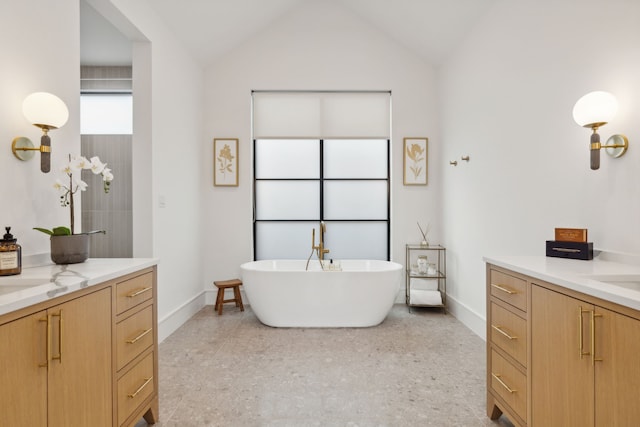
421,297
423,284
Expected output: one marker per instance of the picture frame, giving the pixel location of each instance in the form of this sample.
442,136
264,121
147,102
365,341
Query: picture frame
415,161
225,162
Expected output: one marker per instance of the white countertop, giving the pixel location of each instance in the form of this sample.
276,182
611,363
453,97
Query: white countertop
42,283
589,277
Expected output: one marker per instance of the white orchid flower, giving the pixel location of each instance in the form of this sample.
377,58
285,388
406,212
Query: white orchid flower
58,185
97,166
80,163
107,176
68,169
79,183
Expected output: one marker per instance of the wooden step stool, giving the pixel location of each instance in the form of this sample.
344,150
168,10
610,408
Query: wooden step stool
224,284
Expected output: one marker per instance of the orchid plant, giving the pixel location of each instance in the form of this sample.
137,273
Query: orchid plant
74,183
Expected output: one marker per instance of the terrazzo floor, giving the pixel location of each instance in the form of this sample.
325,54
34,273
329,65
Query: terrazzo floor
418,368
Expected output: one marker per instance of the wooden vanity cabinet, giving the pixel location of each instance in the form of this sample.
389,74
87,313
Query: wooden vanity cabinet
562,386
56,366
23,344
85,358
136,349
580,365
585,361
618,376
507,345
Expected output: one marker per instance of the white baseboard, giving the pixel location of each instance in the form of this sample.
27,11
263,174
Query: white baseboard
172,321
472,320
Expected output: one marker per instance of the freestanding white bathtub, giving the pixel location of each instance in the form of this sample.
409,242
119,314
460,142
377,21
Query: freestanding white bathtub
282,294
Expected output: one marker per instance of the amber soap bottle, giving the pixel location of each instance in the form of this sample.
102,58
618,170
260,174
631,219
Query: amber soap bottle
10,255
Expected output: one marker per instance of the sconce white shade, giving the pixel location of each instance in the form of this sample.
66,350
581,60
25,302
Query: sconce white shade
595,108
45,110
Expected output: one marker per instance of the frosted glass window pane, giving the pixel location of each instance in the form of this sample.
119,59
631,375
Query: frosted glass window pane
287,200
355,200
284,240
110,114
355,158
356,240
287,158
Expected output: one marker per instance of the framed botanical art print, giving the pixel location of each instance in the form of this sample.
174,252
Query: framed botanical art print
225,162
415,161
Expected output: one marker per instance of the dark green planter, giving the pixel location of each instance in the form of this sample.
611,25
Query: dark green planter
71,249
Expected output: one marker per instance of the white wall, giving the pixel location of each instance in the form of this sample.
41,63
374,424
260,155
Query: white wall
27,196
506,99
316,46
174,112
40,44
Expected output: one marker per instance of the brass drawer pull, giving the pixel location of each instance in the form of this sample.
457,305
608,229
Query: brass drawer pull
497,377
135,393
503,289
134,340
499,329
594,359
581,333
141,291
60,323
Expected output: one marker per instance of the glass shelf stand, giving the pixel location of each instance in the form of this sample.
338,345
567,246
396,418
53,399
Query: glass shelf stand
426,276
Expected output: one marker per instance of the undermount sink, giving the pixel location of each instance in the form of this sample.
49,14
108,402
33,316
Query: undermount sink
10,285
628,281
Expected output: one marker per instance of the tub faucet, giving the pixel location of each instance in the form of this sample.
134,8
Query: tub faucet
320,249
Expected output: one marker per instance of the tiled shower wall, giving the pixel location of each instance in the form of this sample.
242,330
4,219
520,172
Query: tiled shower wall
111,212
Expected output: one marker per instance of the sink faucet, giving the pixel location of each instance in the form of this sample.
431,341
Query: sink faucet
320,249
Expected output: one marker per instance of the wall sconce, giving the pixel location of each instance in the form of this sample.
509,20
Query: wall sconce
47,112
594,110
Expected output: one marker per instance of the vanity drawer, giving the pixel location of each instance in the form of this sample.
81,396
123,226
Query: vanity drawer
508,288
509,332
509,383
133,291
133,335
135,387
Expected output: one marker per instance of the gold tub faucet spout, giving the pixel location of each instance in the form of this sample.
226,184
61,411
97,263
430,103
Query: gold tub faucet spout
320,249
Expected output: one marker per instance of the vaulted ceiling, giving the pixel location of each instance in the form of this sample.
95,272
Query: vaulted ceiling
429,27
210,28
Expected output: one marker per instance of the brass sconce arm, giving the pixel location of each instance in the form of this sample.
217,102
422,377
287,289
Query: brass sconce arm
22,143
23,149
619,145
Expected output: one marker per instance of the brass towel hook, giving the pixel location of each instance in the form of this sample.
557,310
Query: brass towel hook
465,158
453,162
